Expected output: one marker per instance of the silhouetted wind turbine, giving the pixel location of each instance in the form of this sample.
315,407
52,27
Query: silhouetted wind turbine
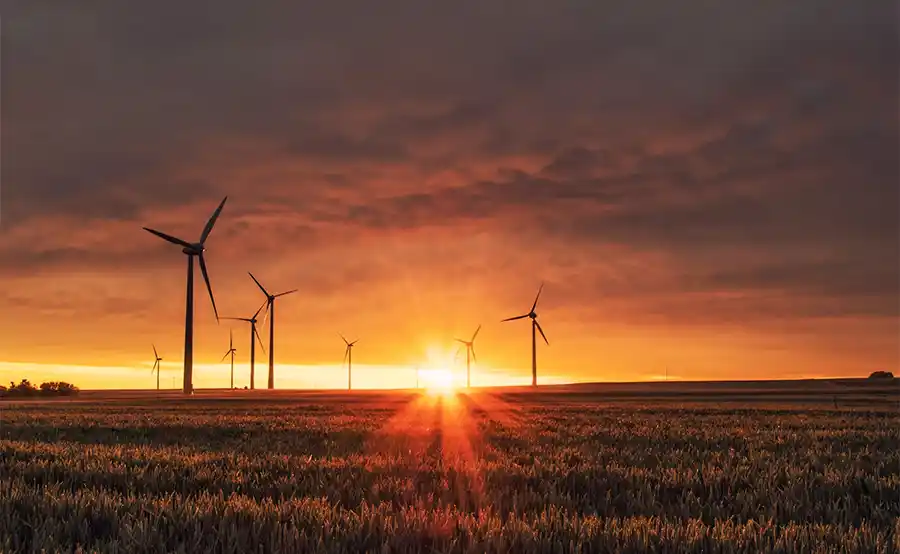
156,366
231,351
270,313
470,351
192,250
348,357
253,333
534,325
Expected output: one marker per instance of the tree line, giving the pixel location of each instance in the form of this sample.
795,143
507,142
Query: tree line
25,389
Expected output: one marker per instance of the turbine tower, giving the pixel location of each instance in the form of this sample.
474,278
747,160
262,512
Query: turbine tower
193,250
534,325
156,366
470,356
348,357
253,333
231,351
270,313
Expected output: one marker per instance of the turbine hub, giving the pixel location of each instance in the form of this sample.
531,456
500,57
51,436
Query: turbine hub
532,315
195,250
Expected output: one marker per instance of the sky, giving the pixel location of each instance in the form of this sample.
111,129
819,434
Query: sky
708,187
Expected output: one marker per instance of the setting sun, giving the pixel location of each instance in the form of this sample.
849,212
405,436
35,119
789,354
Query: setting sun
437,380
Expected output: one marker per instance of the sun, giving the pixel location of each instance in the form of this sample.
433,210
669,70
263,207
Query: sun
438,381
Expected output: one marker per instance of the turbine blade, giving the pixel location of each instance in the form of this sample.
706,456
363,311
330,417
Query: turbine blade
266,313
231,339
236,319
225,356
261,306
354,342
345,339
460,340
476,334
258,285
456,356
542,332
169,238
288,292
212,221
536,297
474,359
346,352
261,345
155,353
514,318
208,286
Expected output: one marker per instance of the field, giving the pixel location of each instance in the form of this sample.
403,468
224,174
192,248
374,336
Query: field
749,467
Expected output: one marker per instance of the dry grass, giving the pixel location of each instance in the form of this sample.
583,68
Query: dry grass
401,472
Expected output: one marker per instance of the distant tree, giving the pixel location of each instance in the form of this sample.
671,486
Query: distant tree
24,388
58,388
881,375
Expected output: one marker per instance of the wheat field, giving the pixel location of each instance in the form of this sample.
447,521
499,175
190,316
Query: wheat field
584,470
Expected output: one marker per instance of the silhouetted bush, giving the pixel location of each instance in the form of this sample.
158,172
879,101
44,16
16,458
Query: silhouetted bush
881,375
26,389
58,388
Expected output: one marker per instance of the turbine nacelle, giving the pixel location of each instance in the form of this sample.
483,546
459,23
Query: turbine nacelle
196,249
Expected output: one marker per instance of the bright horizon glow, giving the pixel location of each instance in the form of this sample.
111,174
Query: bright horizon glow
317,377
438,380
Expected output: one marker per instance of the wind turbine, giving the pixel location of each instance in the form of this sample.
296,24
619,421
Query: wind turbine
193,250
270,313
156,365
534,325
253,334
348,357
470,355
231,351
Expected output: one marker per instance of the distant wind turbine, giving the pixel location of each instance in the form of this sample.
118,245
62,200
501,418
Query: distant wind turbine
231,352
534,325
348,357
270,313
470,355
193,250
253,334
156,365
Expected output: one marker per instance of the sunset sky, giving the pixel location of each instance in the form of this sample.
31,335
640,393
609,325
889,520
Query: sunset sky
706,186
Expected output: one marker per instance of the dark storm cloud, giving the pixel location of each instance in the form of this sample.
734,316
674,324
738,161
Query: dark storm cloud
670,126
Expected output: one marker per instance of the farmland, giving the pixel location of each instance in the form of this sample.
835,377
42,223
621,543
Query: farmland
630,468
